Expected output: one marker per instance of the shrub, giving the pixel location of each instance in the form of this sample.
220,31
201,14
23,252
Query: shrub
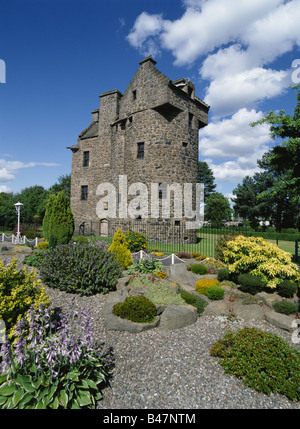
136,241
196,254
60,370
287,289
259,258
215,293
58,219
136,308
184,255
195,301
212,262
34,259
80,268
203,285
250,284
53,240
212,270
262,360
285,307
19,289
198,269
201,257
221,244
223,274
146,266
119,248
228,283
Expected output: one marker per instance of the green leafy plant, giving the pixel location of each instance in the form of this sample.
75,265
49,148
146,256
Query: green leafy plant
223,274
55,366
146,266
136,308
34,259
215,293
285,307
198,269
80,268
262,360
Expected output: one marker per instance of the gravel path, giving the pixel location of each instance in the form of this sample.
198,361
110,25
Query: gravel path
159,369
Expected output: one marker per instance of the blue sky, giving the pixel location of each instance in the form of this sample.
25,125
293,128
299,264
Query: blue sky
60,55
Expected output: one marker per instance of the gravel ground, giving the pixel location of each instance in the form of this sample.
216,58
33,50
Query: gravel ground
159,369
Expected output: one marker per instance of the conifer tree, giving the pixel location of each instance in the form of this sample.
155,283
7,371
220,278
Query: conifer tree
120,249
58,220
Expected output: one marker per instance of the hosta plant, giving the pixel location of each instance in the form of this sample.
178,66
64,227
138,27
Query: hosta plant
54,366
146,266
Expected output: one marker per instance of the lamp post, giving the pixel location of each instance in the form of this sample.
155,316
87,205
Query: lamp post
18,207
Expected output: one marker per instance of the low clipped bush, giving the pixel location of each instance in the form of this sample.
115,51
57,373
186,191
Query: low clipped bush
202,285
287,289
263,361
19,289
285,307
195,301
43,245
223,274
136,241
80,268
250,284
215,293
228,283
136,308
198,269
196,254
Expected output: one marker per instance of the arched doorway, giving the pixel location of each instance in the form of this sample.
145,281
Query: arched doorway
103,227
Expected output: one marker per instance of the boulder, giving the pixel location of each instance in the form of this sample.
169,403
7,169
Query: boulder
216,308
281,321
268,298
178,316
249,312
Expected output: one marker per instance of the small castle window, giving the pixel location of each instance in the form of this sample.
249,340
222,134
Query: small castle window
184,144
84,192
133,95
177,222
141,150
191,116
86,159
105,207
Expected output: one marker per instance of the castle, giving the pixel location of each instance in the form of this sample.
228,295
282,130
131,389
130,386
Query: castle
148,135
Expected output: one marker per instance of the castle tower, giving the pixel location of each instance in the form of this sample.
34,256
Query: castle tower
148,136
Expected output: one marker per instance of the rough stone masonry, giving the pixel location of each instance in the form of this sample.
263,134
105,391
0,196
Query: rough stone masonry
149,135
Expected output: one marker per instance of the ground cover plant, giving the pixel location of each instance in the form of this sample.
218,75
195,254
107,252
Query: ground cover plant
19,289
54,366
146,266
262,360
80,268
193,300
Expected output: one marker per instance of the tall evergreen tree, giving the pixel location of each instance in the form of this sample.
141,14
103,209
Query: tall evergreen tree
58,220
205,175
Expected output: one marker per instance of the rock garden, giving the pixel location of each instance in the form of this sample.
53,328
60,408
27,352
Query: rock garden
248,280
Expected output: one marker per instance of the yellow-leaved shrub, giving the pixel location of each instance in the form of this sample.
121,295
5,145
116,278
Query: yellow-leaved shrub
19,290
256,256
202,285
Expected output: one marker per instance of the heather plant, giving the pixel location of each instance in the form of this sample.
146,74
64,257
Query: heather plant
54,366
138,309
263,361
80,268
285,307
215,293
19,289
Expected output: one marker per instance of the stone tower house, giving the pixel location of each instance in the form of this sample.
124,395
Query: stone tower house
147,135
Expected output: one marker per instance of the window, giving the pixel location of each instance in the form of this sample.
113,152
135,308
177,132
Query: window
86,159
140,150
177,222
191,119
184,144
162,191
84,192
133,95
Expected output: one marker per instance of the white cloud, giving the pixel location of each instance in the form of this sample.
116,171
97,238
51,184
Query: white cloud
8,169
5,189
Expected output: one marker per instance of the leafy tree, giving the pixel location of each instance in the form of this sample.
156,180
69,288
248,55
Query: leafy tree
58,219
8,216
34,200
217,209
206,176
283,160
63,184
